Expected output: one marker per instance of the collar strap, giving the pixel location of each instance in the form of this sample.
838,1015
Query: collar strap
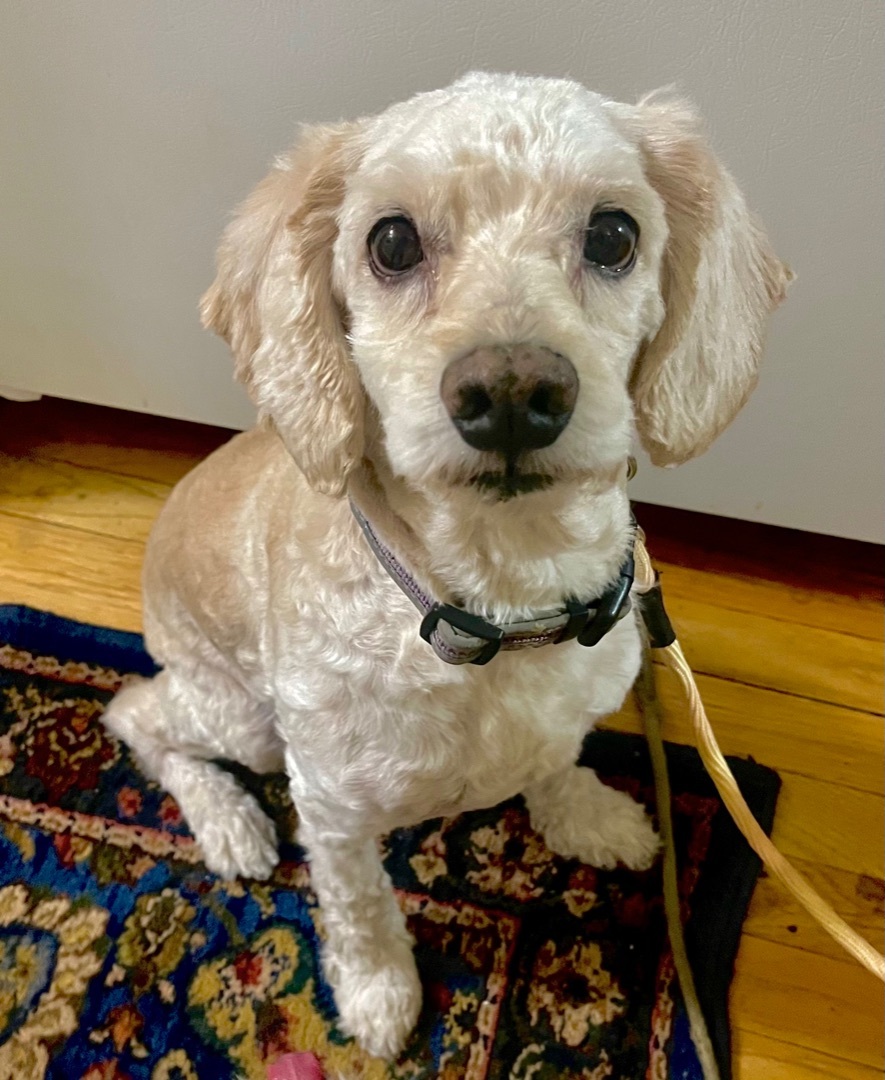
457,636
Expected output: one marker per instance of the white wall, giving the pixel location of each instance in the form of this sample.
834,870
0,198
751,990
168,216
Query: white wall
129,130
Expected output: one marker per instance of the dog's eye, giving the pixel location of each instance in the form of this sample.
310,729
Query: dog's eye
610,241
394,246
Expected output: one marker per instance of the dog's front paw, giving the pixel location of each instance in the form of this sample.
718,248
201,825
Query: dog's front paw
238,838
378,1005
589,821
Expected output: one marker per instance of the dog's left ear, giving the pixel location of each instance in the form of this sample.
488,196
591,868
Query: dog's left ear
720,281
272,301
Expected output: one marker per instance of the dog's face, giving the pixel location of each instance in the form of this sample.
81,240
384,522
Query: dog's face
499,257
504,275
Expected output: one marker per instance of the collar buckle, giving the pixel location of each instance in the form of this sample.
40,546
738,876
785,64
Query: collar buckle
470,624
611,607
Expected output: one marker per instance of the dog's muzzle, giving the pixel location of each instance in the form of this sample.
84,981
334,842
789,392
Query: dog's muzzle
510,400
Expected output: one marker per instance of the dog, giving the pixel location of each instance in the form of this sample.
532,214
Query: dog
453,318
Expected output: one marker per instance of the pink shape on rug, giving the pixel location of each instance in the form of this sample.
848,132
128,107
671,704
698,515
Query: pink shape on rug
295,1067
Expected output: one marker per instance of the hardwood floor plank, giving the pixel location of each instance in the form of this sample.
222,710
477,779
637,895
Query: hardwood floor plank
830,1006
97,502
92,578
818,607
775,916
125,443
830,825
784,732
758,1057
818,664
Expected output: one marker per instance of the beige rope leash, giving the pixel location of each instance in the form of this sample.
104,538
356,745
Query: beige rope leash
716,765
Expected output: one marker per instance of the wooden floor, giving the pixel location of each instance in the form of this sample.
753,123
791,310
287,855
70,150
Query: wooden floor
784,630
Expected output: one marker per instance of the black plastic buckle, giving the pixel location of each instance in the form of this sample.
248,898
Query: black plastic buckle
611,606
471,624
654,615
578,616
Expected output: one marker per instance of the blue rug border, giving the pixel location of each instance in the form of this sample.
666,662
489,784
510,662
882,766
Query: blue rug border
43,633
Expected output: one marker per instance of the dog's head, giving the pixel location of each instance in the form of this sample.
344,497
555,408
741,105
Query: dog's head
503,277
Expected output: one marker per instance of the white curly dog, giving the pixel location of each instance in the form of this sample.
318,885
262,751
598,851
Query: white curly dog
453,318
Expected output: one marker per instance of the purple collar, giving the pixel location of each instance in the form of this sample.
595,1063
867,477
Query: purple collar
458,636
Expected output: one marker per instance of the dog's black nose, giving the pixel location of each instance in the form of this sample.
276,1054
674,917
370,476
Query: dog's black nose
510,399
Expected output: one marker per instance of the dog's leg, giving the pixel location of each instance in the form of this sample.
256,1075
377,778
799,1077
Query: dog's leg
171,728
367,951
581,818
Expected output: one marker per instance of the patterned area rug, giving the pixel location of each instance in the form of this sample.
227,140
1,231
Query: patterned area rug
121,957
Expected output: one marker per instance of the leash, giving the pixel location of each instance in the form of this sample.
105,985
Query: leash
663,641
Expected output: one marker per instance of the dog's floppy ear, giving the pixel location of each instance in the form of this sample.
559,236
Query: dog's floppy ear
720,281
272,301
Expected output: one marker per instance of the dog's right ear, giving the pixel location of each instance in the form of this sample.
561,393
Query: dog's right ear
272,301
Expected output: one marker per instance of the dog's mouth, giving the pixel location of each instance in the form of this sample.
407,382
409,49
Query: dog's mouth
510,482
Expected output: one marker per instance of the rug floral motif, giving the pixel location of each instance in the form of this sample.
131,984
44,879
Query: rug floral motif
122,958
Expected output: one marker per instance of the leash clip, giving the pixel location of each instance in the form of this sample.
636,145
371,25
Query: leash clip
657,622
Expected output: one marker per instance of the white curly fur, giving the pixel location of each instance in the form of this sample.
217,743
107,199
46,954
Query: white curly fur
284,643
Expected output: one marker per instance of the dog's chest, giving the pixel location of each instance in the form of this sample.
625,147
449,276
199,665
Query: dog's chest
409,737
487,734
